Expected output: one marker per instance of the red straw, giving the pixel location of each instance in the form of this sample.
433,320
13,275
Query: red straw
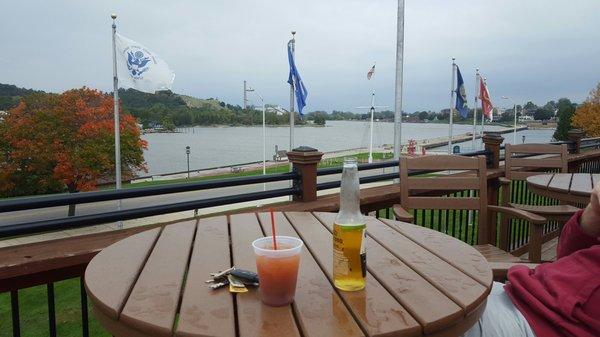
273,229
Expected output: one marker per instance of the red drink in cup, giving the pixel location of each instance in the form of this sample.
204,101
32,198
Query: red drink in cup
277,269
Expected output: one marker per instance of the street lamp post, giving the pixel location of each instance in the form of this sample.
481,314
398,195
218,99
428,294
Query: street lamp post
264,132
187,152
515,123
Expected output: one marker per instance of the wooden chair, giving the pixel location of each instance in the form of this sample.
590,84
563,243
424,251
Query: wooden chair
473,176
542,159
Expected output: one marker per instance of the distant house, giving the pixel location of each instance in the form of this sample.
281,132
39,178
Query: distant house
525,118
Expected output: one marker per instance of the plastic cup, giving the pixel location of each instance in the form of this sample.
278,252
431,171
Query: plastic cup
277,269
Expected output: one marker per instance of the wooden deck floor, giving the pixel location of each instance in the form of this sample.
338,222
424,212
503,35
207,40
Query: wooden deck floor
548,251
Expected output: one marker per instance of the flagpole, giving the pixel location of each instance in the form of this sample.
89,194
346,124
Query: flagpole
292,114
475,107
482,114
371,136
451,109
116,110
399,70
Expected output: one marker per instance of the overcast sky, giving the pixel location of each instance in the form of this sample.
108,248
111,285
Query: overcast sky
528,49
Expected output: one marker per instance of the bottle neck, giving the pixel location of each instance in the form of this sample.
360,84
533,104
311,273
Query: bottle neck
350,196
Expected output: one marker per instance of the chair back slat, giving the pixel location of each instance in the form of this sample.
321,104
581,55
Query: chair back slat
533,148
448,183
443,203
553,162
444,162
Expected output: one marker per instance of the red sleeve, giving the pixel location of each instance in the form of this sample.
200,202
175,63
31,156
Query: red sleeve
572,238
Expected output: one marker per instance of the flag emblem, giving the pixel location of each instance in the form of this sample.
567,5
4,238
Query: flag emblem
137,62
461,95
141,69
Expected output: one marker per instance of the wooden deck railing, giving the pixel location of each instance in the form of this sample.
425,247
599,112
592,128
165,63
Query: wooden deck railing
48,262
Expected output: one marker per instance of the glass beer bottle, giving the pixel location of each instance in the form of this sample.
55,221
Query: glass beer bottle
349,232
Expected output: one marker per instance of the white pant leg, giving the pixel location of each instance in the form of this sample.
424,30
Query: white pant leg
500,318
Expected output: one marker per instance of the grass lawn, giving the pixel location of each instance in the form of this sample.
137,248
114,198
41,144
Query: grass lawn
282,168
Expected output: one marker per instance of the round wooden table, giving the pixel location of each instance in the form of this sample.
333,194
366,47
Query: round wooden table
572,188
419,282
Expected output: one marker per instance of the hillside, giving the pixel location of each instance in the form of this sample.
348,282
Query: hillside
11,94
210,103
167,108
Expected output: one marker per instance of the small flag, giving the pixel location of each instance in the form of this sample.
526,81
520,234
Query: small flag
461,95
486,102
371,72
295,79
140,68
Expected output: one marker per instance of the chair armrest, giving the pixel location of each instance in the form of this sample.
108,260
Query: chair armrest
520,214
504,181
500,269
402,214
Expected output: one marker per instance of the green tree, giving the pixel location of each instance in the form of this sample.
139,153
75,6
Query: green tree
423,115
320,119
566,109
543,114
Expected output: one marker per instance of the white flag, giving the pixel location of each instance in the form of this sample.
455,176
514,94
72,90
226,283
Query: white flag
141,69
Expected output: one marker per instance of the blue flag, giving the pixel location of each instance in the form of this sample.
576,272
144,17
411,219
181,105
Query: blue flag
294,78
461,95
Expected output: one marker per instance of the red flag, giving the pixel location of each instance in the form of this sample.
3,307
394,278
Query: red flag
486,102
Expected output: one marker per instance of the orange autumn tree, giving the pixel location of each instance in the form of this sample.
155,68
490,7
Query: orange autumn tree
587,115
64,143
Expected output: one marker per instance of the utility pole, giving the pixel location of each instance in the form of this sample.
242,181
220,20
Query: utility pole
292,113
398,91
246,91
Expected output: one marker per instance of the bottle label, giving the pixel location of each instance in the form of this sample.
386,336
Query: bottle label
363,254
340,262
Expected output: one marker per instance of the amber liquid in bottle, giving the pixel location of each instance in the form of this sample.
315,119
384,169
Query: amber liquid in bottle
349,231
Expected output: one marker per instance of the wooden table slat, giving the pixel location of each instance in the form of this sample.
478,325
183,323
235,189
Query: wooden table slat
254,318
431,307
206,312
560,182
152,304
384,315
461,288
108,284
318,307
581,184
454,252
595,179
541,179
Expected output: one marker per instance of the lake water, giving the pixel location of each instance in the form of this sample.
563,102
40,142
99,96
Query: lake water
221,146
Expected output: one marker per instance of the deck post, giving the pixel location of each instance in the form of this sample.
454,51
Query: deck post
304,160
575,136
492,142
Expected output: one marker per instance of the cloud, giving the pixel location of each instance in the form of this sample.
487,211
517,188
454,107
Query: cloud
529,50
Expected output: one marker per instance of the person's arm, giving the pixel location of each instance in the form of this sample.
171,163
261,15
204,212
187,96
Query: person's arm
583,229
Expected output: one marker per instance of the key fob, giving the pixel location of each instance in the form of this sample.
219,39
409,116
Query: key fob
246,276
